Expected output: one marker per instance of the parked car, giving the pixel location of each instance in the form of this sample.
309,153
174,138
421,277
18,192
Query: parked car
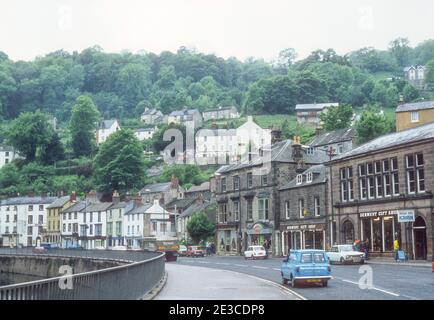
99,248
39,249
73,246
307,266
119,248
345,253
182,251
255,252
48,245
195,251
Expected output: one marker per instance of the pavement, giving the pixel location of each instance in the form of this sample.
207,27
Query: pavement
411,263
199,283
388,280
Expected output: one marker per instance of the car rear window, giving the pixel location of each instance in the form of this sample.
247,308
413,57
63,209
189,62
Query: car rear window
319,258
306,258
259,249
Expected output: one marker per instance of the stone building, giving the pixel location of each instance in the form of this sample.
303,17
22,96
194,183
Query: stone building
411,115
309,113
340,140
221,113
248,198
164,192
303,211
382,191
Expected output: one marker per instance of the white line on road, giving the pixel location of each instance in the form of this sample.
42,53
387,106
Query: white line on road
240,265
202,262
276,269
373,288
257,267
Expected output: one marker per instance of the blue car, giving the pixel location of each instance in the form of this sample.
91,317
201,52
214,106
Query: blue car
307,266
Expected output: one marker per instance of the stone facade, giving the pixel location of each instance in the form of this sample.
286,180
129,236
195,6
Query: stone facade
303,212
371,209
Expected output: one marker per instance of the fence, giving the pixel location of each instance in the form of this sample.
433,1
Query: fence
130,281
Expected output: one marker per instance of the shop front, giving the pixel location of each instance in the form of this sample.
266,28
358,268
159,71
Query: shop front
260,234
383,227
303,236
227,238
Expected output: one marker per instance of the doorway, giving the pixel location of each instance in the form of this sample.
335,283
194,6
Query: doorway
420,240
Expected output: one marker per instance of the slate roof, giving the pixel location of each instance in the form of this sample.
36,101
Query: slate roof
180,203
59,202
391,140
220,109
415,106
6,148
118,205
139,210
156,187
280,152
94,207
106,124
315,106
78,207
336,136
28,200
203,187
195,208
318,176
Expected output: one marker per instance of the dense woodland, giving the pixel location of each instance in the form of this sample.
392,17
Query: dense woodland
122,84
80,89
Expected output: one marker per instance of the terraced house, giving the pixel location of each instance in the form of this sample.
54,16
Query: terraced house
384,191
248,198
54,212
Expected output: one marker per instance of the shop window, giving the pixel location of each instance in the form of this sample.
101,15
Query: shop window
308,243
388,233
377,238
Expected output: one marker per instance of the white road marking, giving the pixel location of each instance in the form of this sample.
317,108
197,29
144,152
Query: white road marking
203,262
257,267
240,265
276,269
373,288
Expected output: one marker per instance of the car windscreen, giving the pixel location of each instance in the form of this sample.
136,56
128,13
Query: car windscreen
319,258
347,248
306,258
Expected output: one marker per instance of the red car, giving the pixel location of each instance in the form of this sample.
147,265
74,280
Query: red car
195,251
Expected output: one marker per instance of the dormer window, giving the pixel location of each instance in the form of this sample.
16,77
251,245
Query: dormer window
299,179
309,177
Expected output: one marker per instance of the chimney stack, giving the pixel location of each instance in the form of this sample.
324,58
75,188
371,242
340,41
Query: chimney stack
137,202
276,134
73,197
115,197
401,99
319,130
174,183
92,197
297,154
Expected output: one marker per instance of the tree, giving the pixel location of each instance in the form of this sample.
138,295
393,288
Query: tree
410,93
372,124
119,163
401,51
199,227
286,58
337,117
53,151
84,119
30,133
430,72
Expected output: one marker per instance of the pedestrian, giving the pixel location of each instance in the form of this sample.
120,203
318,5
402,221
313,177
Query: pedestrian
396,247
366,245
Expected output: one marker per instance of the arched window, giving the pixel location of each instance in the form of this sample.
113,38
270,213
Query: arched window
348,232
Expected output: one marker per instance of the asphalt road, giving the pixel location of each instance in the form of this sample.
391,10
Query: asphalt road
389,282
217,284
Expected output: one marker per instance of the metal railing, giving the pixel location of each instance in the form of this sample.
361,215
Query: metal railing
130,281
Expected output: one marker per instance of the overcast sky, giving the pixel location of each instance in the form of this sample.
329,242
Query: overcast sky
240,28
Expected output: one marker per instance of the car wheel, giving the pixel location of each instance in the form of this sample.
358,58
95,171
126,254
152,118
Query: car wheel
293,283
362,261
325,283
341,260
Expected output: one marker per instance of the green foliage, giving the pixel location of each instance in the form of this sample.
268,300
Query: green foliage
31,133
337,117
119,164
187,174
372,124
430,72
157,141
84,119
199,227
